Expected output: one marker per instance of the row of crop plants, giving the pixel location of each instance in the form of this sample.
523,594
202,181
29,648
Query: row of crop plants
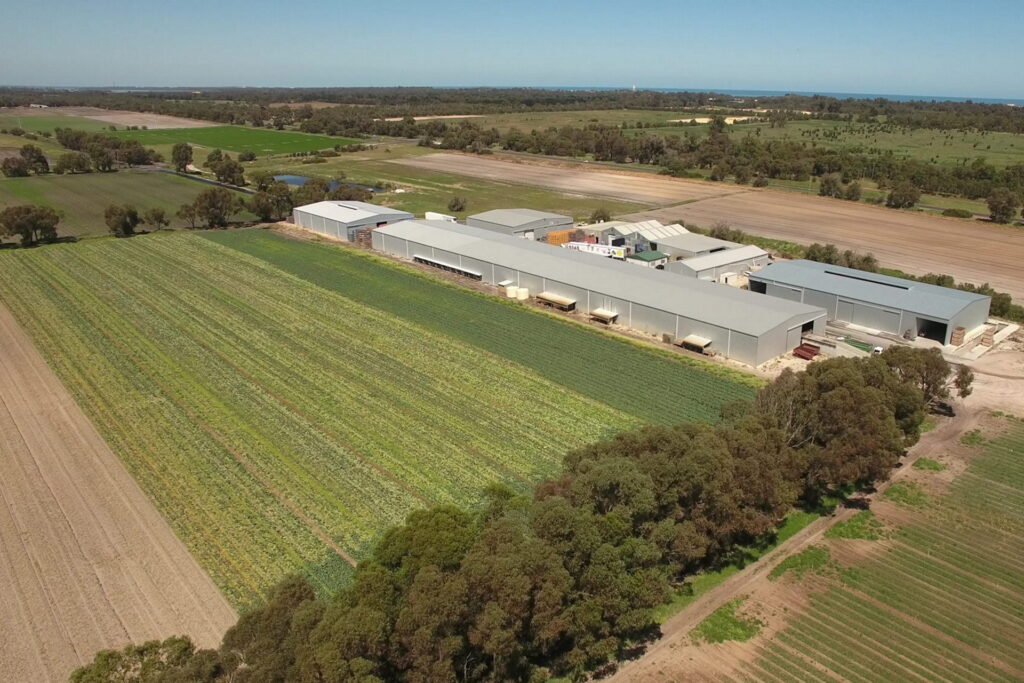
286,419
647,385
944,600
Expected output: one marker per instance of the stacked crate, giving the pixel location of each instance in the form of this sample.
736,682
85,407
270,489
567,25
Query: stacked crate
957,338
988,337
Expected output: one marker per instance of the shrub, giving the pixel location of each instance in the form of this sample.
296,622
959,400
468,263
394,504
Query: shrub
957,213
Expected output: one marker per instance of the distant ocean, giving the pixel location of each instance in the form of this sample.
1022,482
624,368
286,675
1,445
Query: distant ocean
838,95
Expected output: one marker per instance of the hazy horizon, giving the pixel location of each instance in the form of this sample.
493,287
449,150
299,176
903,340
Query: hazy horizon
915,48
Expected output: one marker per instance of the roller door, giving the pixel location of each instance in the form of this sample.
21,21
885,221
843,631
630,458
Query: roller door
871,317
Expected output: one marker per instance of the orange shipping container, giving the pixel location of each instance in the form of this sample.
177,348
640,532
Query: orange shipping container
559,237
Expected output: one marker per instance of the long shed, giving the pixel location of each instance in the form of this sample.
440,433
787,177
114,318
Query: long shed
343,218
735,323
875,301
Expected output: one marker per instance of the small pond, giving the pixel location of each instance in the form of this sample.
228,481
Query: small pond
300,180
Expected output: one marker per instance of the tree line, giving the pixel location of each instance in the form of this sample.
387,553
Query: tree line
563,581
253,105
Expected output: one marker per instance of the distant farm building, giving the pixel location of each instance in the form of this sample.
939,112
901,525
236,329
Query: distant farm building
718,265
533,225
343,219
876,302
735,323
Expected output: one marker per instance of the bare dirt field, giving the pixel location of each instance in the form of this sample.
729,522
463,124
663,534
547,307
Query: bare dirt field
87,562
113,116
634,187
913,242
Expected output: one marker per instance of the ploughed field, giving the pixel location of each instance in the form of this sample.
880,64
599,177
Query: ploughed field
283,407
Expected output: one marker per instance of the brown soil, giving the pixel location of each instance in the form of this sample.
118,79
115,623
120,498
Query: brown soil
87,561
914,242
113,116
634,187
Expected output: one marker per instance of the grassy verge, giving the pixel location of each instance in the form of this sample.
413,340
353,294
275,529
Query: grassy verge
725,624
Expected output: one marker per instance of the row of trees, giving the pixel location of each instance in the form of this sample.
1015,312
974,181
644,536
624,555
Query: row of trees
30,160
565,580
106,151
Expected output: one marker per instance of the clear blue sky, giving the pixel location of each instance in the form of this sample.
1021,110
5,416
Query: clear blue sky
940,47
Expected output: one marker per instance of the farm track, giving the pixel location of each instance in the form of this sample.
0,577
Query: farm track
912,242
88,563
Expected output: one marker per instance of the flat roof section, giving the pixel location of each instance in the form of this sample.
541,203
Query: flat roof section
727,307
924,299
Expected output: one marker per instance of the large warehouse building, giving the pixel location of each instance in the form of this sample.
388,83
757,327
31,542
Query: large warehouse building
873,301
735,323
342,218
533,225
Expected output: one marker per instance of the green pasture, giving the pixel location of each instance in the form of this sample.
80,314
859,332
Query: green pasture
82,198
260,141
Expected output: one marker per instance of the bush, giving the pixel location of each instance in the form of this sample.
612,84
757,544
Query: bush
760,181
957,213
903,196
457,204
247,156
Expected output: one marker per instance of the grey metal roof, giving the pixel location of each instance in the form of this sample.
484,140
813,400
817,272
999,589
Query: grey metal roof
723,258
722,305
350,211
690,241
513,218
933,301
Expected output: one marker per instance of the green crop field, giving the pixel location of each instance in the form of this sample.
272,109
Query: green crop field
604,367
942,599
260,141
82,198
281,424
39,124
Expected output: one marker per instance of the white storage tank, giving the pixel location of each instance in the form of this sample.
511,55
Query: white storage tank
511,291
523,294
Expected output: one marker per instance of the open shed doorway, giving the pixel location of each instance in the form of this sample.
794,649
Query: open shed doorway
931,329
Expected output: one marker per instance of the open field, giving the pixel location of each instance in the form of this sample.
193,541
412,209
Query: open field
430,190
93,118
927,585
912,242
646,189
280,426
947,148
667,389
87,561
260,141
82,198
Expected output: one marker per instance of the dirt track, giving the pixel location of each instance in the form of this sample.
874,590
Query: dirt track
670,657
913,242
87,562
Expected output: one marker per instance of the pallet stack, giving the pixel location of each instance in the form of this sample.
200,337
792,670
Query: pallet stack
988,337
957,338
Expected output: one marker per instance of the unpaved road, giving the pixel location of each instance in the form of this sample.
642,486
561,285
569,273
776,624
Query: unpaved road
631,187
913,242
663,660
86,561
